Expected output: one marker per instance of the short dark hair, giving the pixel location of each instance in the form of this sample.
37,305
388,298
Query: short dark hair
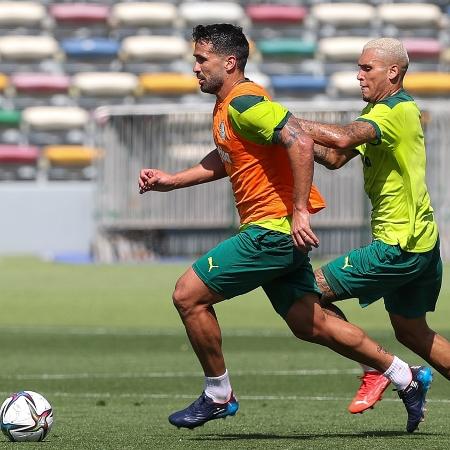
226,39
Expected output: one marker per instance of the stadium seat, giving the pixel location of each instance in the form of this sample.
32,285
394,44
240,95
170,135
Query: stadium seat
287,55
80,19
10,120
132,18
32,89
28,53
92,89
340,53
26,17
46,125
71,162
423,49
410,19
4,82
344,84
275,19
428,83
333,19
90,54
168,84
155,54
18,162
193,13
295,85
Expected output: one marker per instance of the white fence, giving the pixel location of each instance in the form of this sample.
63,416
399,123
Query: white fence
188,222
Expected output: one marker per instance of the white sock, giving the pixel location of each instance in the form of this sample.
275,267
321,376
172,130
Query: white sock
218,388
399,374
367,368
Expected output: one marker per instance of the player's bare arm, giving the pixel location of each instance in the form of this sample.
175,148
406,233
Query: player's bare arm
340,137
332,158
299,147
209,169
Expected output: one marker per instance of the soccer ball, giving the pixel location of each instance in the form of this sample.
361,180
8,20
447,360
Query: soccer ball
26,416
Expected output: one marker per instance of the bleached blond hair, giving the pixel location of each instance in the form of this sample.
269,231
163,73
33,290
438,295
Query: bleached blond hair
392,49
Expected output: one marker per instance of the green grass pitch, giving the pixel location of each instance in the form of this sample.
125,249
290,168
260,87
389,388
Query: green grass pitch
105,346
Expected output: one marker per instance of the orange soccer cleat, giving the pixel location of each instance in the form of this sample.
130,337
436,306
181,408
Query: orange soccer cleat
373,384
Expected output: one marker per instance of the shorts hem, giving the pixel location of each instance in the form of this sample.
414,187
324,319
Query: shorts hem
334,284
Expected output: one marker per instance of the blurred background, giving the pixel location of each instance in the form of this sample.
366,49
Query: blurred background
91,92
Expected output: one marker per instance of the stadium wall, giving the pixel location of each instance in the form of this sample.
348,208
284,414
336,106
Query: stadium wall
49,219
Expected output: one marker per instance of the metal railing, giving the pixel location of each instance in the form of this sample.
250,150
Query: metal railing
173,137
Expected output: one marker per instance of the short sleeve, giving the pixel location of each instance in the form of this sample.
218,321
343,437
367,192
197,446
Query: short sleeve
257,119
384,120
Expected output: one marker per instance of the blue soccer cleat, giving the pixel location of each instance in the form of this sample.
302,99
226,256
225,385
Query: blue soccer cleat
203,410
413,396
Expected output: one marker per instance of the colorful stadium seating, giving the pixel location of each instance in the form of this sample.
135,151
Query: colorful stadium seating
29,89
428,83
27,53
192,13
92,89
89,54
70,162
28,16
167,83
46,125
410,19
154,53
76,18
18,163
298,85
155,17
67,58
332,19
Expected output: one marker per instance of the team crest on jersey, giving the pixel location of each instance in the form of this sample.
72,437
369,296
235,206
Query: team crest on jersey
224,156
222,132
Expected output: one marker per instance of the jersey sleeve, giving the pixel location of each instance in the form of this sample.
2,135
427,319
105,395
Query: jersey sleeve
385,122
257,119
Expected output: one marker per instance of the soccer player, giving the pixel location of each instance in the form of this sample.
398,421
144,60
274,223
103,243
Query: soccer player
269,161
402,264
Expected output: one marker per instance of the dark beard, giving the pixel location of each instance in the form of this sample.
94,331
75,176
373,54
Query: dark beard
212,86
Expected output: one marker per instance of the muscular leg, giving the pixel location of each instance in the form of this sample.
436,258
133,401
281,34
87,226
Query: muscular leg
194,300
308,321
422,340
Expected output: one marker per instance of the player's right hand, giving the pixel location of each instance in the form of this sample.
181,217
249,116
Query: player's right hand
155,180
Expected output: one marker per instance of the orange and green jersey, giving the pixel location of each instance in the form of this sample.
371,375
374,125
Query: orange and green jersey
246,127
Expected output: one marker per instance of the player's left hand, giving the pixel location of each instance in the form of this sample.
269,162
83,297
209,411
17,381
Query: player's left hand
304,238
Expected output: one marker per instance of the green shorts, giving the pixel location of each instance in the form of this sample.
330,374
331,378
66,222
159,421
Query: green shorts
258,257
408,282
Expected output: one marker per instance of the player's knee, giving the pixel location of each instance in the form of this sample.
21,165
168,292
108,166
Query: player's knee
182,301
310,331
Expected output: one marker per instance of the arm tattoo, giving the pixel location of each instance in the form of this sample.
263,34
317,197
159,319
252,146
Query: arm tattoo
289,134
321,154
382,350
360,132
329,135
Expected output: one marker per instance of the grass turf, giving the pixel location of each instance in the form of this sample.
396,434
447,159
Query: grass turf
105,346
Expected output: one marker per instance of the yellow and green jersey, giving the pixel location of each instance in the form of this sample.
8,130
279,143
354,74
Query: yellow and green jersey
394,175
